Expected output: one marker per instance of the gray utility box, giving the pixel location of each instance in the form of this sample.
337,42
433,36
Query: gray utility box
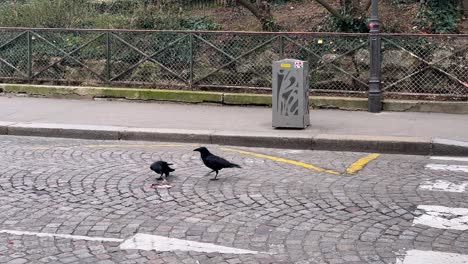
291,93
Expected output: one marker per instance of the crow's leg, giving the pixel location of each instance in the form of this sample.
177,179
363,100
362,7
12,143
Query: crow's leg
160,177
165,177
209,173
215,179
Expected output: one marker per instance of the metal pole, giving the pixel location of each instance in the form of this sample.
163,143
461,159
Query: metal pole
281,47
108,57
375,97
191,62
29,69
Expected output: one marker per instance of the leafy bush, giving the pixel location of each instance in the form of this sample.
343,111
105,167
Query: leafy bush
351,24
40,13
439,16
91,14
199,23
398,2
105,20
165,22
116,6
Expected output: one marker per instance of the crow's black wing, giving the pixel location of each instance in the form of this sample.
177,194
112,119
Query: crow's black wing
156,167
216,163
166,168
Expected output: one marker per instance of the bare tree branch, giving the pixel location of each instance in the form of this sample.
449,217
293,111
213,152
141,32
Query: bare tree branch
251,7
330,9
262,12
367,5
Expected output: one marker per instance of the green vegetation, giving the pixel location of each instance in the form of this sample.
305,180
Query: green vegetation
434,16
40,13
128,14
439,16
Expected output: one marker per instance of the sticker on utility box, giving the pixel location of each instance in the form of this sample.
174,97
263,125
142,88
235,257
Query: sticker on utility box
299,64
285,65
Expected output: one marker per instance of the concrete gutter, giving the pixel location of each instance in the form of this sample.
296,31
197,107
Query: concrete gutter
379,144
426,106
343,103
79,92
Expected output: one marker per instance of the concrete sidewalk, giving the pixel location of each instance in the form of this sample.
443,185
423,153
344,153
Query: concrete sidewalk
391,132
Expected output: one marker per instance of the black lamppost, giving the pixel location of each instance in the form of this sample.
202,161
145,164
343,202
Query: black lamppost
375,97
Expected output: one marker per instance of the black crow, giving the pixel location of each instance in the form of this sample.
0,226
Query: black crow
214,162
161,167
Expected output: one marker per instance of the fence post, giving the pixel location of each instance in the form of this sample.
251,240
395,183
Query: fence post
281,47
191,61
108,57
28,35
375,97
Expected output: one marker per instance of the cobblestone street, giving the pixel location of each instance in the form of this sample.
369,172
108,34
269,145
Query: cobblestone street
77,201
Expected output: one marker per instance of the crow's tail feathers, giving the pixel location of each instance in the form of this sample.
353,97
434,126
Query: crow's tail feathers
233,165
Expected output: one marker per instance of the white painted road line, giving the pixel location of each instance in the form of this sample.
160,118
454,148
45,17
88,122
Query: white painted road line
145,242
26,233
431,257
444,167
443,217
443,186
450,158
160,243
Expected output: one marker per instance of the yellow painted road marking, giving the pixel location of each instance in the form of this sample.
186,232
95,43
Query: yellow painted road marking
109,146
39,148
293,162
131,146
360,163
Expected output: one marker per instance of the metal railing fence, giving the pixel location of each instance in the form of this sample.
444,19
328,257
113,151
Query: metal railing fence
339,62
425,64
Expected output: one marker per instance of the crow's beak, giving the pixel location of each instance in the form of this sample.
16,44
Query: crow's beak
197,149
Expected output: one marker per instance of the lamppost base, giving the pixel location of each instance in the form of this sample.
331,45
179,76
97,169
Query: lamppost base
374,103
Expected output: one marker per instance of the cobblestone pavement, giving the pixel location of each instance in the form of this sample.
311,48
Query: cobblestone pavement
288,213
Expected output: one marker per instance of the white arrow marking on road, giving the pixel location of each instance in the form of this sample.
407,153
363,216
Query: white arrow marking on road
146,242
450,158
443,186
431,257
443,217
160,243
26,233
444,167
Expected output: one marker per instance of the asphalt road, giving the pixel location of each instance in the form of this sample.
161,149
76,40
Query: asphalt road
84,201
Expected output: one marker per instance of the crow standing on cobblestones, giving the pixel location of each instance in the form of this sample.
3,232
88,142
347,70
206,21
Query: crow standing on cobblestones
161,167
214,162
